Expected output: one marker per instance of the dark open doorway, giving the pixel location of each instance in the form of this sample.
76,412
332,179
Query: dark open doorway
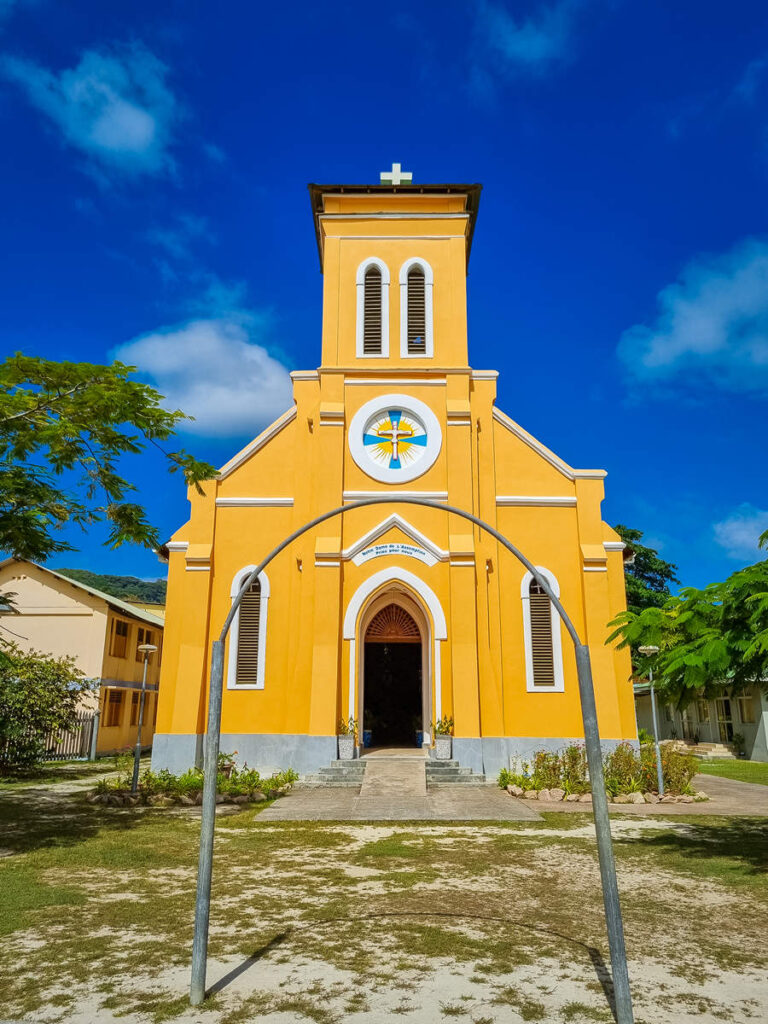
393,691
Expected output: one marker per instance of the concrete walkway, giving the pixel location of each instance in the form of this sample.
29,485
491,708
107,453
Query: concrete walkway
395,789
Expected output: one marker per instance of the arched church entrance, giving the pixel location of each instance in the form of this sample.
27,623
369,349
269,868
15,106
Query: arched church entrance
395,654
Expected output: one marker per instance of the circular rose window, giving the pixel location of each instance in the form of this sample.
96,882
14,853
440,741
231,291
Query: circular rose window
394,438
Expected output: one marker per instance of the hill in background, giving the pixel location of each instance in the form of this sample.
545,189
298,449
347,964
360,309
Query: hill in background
127,588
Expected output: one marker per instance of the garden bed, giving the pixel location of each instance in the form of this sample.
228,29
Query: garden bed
163,789
630,777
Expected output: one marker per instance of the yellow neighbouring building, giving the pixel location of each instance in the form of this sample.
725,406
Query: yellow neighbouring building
395,615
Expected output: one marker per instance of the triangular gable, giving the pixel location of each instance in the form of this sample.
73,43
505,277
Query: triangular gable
257,443
543,451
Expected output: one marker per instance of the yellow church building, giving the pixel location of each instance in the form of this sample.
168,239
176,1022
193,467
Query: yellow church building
394,615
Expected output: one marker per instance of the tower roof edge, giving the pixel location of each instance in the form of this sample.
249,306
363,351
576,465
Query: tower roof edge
317,194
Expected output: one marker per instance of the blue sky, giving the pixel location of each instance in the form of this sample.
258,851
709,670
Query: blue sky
154,177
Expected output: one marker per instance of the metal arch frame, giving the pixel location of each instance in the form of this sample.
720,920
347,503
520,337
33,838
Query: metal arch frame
610,888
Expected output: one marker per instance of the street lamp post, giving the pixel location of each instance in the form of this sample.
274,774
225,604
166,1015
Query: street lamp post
648,651
146,650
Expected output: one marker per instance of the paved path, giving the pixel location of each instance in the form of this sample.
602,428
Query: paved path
726,796
395,789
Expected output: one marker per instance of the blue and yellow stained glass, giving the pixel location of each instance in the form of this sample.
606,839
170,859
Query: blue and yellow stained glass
395,438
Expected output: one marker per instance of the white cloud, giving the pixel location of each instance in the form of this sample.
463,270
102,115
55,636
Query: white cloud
739,532
115,106
533,43
712,325
215,370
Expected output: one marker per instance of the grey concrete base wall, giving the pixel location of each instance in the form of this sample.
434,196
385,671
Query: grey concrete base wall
266,752
270,752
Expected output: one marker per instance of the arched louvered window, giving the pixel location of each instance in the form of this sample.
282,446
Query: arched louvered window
372,308
416,309
542,635
417,322
248,635
372,312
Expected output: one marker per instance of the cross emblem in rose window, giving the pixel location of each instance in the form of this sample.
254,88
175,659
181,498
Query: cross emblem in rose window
395,435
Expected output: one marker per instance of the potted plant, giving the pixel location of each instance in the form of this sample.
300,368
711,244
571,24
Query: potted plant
226,764
443,731
347,738
739,744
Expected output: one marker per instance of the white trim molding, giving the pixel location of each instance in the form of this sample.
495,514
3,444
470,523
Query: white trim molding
393,382
614,545
177,545
372,261
557,642
544,500
258,442
254,502
429,348
546,454
367,588
234,632
379,406
360,495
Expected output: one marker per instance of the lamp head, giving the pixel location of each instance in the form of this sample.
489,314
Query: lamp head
648,649
147,648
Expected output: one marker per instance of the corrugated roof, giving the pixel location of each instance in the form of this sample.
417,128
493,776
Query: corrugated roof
114,602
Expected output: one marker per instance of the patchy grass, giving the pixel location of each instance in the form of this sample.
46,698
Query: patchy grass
325,920
742,771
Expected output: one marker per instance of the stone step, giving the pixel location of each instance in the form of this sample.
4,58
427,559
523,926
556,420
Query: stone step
328,782
459,780
446,773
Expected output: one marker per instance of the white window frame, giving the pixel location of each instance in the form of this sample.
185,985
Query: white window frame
429,346
372,261
234,632
557,642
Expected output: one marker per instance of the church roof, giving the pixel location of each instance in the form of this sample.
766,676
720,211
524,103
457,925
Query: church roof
472,192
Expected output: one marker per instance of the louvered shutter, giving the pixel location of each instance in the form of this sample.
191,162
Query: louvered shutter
372,312
248,635
541,637
417,317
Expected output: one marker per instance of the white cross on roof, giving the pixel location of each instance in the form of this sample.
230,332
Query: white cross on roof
396,176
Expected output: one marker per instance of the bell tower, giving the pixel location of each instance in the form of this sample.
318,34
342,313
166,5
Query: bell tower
394,260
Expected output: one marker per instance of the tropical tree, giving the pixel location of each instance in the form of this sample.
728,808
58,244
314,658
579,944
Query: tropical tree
708,639
648,578
64,430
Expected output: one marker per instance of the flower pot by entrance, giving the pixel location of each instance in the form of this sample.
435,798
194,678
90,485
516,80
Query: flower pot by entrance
443,746
346,747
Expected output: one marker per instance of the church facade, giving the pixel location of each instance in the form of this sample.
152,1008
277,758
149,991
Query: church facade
394,615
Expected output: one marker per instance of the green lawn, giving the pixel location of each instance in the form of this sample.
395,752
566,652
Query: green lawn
743,771
362,922
51,772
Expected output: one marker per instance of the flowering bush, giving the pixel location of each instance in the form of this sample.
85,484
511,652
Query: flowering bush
625,770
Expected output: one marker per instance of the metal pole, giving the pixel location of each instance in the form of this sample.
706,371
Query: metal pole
659,772
613,920
591,734
94,733
137,751
205,863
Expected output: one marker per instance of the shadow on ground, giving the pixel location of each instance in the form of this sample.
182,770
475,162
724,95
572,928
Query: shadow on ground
601,969
741,841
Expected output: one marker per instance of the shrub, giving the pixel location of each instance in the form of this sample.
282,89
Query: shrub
547,770
677,769
39,698
644,736
574,769
622,770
